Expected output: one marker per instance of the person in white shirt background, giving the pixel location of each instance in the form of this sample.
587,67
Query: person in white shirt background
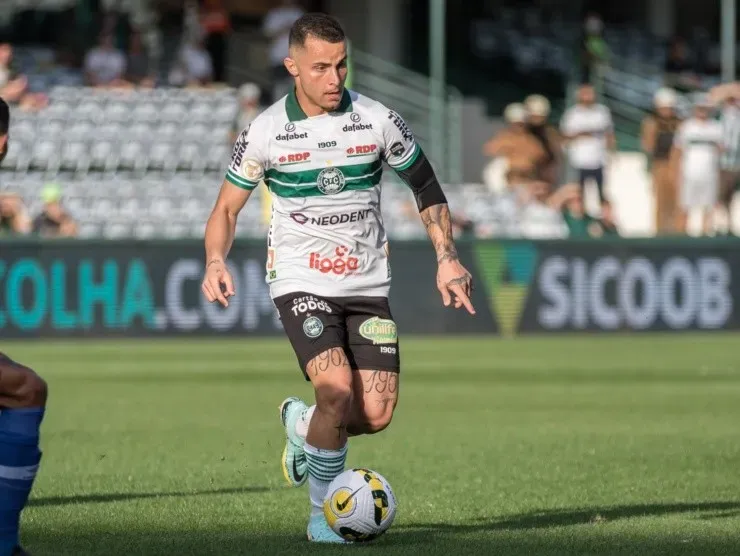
105,66
588,132
276,26
696,155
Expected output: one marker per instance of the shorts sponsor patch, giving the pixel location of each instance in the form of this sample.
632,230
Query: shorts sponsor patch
313,327
379,331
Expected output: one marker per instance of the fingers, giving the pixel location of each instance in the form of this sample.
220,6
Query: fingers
462,298
446,299
216,287
206,289
229,283
211,288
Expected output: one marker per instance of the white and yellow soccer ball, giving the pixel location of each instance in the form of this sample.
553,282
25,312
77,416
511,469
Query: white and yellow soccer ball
360,505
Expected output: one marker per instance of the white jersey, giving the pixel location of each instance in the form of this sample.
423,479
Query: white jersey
699,141
588,152
326,236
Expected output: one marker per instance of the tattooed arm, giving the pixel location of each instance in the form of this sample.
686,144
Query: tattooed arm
438,223
452,278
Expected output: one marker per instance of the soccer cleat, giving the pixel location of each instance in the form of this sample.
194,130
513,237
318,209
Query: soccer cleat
18,551
295,467
319,531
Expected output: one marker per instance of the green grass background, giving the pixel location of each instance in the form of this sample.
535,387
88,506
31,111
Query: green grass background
559,445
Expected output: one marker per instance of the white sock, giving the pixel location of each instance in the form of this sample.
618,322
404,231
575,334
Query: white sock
301,426
323,467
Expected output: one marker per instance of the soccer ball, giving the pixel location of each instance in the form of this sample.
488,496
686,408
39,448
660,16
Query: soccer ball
360,505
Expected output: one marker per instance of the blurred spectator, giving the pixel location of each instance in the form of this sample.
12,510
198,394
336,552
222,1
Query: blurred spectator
594,50
276,26
249,108
580,224
14,87
728,97
679,70
517,154
588,130
193,67
541,211
105,66
138,66
658,132
697,148
14,219
53,221
538,110
214,20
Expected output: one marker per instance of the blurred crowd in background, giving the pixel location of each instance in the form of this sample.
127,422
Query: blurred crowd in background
542,165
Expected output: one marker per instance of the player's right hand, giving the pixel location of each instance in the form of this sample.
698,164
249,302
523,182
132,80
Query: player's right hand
217,283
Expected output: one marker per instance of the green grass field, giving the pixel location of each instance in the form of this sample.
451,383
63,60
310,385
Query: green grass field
589,445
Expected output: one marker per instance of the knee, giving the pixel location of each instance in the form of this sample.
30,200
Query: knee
334,399
379,418
33,390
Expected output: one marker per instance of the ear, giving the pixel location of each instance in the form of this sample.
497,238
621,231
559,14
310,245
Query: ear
291,66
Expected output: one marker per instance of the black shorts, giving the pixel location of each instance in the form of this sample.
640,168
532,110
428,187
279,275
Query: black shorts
363,326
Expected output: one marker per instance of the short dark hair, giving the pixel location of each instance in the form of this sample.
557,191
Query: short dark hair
321,26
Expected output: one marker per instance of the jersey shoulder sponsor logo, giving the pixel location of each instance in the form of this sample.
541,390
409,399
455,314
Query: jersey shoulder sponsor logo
330,181
379,331
240,147
400,124
397,149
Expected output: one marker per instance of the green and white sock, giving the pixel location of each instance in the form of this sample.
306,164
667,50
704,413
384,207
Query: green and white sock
323,467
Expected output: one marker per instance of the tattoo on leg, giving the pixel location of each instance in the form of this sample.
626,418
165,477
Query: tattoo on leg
322,362
385,402
381,382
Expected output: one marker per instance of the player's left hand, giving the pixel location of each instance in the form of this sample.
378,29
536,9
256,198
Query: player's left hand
453,280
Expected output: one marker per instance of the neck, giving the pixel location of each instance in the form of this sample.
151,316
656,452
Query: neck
308,107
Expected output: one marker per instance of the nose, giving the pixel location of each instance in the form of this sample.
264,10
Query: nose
334,77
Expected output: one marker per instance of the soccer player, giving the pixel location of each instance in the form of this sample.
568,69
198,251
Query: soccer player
22,403
320,151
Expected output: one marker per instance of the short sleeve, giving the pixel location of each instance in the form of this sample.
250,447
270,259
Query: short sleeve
400,149
249,156
608,122
566,123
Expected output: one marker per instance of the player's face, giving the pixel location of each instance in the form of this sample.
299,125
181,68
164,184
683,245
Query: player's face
321,69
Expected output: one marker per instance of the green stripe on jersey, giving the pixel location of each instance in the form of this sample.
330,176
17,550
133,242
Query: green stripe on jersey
239,181
410,161
305,183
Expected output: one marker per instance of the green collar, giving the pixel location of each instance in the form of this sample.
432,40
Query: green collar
295,112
